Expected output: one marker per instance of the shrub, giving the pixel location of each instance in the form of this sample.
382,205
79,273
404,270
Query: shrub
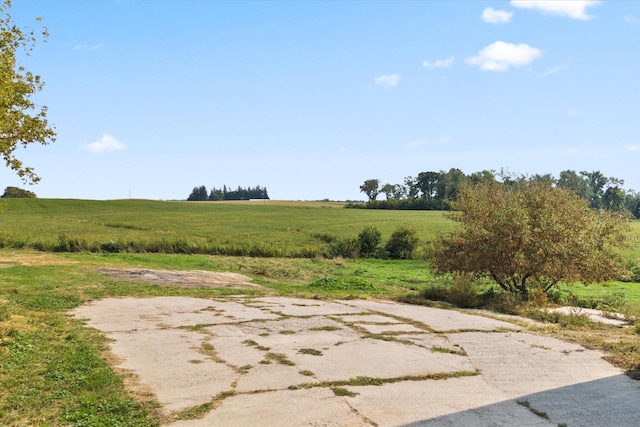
346,247
368,241
463,292
403,243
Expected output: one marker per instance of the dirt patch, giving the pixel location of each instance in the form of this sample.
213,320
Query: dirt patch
194,278
10,259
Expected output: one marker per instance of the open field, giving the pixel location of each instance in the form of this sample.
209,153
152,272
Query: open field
290,229
53,371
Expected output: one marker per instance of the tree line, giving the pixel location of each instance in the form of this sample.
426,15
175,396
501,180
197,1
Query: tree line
201,194
436,190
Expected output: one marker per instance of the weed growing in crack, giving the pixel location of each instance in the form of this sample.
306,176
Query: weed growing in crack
279,358
339,391
311,351
533,410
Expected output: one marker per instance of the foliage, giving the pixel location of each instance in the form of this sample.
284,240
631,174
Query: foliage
369,240
22,122
341,284
15,192
200,194
370,188
432,190
345,247
530,234
403,243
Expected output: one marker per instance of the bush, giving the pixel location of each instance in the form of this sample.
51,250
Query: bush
346,247
368,241
463,292
403,243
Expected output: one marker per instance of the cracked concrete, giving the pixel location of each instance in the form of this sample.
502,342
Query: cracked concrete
275,361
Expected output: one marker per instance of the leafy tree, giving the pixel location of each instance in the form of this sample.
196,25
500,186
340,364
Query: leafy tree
427,183
199,194
530,235
15,192
403,243
22,122
388,190
370,188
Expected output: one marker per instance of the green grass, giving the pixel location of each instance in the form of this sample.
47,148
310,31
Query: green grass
251,228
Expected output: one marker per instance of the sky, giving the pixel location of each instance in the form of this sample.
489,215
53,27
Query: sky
311,98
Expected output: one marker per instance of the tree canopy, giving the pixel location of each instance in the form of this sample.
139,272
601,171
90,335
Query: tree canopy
18,193
531,234
22,121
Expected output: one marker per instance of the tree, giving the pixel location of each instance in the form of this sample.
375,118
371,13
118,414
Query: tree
199,194
15,192
370,188
530,235
22,122
388,190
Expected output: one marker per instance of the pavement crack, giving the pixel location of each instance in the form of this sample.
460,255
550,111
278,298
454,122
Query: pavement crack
361,415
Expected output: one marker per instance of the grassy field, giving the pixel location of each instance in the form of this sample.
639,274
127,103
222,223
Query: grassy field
54,372
290,229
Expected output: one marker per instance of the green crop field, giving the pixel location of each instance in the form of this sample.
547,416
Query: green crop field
290,229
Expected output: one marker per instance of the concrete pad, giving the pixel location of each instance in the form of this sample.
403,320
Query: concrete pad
186,367
390,329
423,402
436,318
304,307
368,319
520,363
314,407
169,362
377,359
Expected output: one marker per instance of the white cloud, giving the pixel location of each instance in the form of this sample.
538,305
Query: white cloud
573,112
633,147
387,81
440,63
493,16
554,70
575,9
105,144
499,56
630,19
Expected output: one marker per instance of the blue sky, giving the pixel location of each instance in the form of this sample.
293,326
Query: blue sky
311,98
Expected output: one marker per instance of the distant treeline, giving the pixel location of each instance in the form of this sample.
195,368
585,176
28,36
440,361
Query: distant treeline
436,190
201,194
